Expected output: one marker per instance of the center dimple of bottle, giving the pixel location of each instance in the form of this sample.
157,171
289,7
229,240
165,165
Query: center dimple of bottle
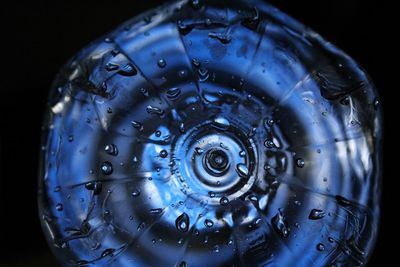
216,162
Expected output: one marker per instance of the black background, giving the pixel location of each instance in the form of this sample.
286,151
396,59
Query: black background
38,36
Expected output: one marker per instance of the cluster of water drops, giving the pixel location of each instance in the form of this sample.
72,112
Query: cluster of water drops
211,130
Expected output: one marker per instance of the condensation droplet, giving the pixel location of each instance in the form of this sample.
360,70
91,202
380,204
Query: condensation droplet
107,252
163,153
182,128
111,149
208,223
127,70
96,187
224,201
156,211
269,143
316,214
137,125
173,93
161,63
182,222
280,225
221,123
106,168
199,150
320,247
300,162
59,207
242,170
154,110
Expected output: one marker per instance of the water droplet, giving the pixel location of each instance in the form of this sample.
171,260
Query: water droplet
141,226
280,225
208,223
297,203
57,188
320,247
154,110
242,170
183,28
182,128
115,52
163,153
221,123
300,163
82,262
343,201
107,252
96,187
203,74
173,93
144,91
252,132
270,122
376,104
127,70
161,63
252,21
269,144
156,211
211,194
158,133
106,168
70,138
137,125
182,222
111,66
111,149
59,207
242,153
345,101
199,151
316,214
224,38
196,63
224,201
108,40
196,4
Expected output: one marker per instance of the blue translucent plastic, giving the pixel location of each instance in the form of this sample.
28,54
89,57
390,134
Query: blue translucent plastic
211,133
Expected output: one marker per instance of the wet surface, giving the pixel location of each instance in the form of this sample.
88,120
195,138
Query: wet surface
202,130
